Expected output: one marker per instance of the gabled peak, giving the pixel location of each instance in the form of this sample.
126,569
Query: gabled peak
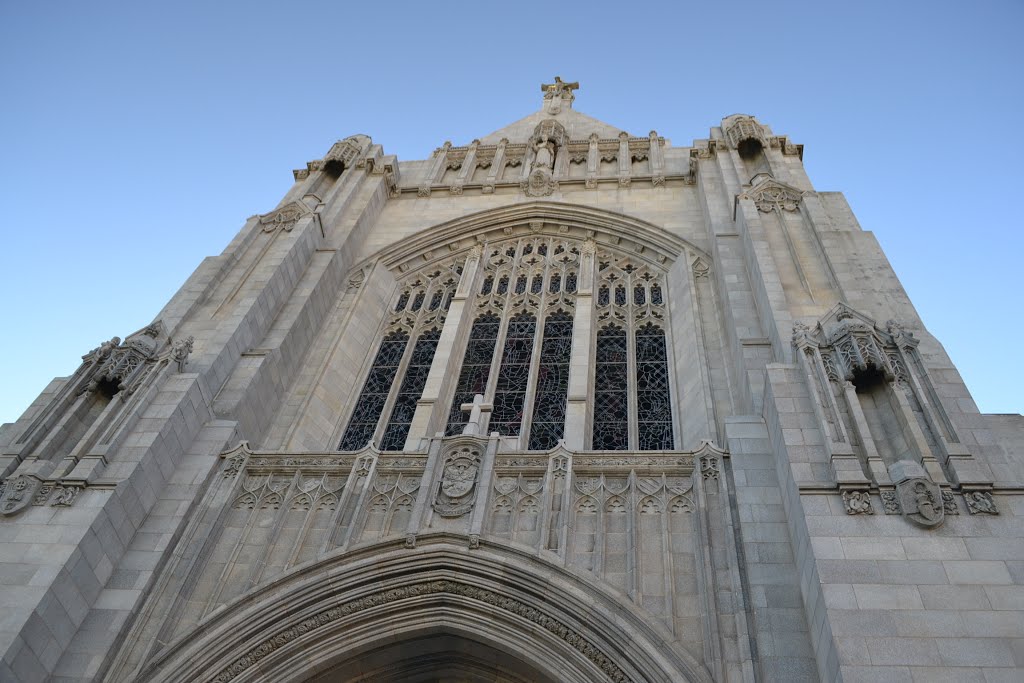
556,105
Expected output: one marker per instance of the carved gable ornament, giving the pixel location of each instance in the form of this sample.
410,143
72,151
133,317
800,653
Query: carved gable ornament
769,194
456,492
284,218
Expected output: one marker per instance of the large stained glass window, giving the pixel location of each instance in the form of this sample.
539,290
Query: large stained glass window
611,391
513,376
410,391
374,395
548,424
632,392
476,369
654,405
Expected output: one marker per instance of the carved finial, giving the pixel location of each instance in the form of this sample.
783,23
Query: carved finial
556,93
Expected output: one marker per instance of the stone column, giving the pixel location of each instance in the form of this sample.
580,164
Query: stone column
593,159
657,160
581,360
468,164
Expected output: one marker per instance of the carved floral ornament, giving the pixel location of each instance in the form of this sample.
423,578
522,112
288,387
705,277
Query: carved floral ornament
850,344
284,218
768,194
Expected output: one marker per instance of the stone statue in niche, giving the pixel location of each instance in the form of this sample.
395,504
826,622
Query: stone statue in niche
456,491
543,158
921,501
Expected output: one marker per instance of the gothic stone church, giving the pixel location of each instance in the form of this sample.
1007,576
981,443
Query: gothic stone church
565,403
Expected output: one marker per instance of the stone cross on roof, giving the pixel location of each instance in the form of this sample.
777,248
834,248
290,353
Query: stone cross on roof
556,93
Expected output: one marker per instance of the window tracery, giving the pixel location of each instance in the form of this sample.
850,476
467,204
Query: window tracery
632,406
397,358
548,424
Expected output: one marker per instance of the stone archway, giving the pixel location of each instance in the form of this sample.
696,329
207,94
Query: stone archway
389,612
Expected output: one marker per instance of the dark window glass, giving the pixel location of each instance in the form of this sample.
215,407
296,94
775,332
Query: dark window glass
656,295
620,296
488,284
602,296
611,391
510,392
570,283
402,301
654,405
476,368
410,391
542,250
639,295
448,299
417,303
521,284
548,424
537,285
375,392
435,300
555,284
503,285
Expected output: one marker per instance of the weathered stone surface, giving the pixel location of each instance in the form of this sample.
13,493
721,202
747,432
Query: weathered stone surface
561,403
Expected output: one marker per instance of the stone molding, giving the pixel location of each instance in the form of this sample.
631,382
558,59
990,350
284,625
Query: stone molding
381,586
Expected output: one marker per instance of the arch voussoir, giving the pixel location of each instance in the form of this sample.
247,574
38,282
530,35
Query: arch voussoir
326,613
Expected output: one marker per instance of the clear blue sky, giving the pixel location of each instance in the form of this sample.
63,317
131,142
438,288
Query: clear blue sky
137,137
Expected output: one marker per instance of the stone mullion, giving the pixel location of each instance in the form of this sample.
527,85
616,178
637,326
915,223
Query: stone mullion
593,159
958,460
485,490
496,166
396,385
256,573
911,428
876,466
468,166
429,409
582,358
633,428
300,538
657,159
437,168
232,559
531,383
666,555
625,159
846,467
633,551
349,516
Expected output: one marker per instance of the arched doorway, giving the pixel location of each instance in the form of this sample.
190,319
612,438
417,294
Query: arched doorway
440,612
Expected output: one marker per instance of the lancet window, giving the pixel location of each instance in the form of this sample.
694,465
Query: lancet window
418,313
632,393
519,349
529,287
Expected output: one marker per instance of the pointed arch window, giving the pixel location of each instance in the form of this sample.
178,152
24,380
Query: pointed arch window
548,423
410,391
654,403
363,423
476,369
611,390
514,375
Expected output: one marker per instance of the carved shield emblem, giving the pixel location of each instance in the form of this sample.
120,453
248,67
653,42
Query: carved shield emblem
456,491
459,477
921,501
18,493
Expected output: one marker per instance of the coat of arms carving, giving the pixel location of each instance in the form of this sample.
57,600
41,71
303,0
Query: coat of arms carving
456,491
18,493
921,501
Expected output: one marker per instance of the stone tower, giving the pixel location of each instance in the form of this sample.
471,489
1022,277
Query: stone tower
564,403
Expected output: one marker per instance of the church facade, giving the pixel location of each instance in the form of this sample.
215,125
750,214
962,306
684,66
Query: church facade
562,404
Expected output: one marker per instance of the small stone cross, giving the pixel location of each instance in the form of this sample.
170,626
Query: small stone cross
475,409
